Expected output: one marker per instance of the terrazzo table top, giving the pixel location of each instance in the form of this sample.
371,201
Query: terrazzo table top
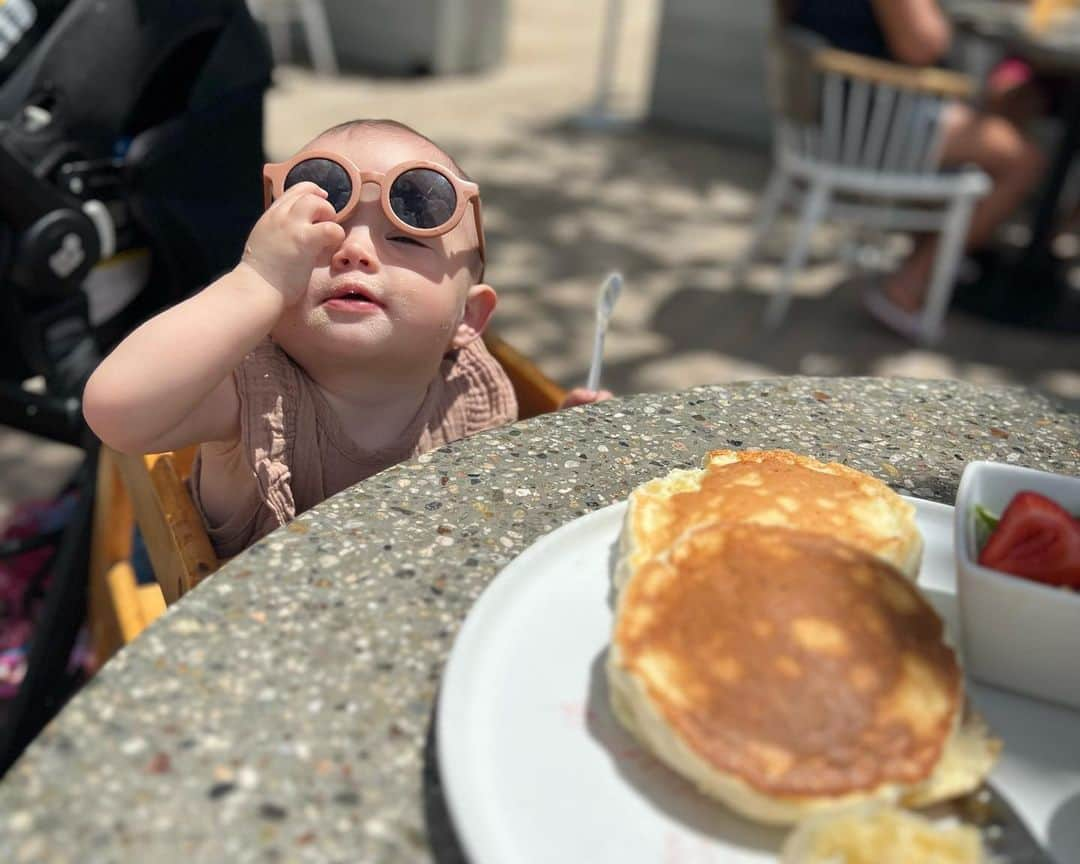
283,710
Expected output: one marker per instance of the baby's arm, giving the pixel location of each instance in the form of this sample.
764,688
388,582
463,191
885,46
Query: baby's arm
169,383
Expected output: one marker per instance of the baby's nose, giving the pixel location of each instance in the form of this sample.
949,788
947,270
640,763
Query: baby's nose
355,252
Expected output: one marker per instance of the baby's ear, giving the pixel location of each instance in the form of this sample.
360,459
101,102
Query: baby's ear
479,304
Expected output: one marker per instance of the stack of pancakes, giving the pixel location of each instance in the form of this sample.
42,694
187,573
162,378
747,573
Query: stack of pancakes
771,646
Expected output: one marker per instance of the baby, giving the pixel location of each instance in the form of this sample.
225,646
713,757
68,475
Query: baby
345,340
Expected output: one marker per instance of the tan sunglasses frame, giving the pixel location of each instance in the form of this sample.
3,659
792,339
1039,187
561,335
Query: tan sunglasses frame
274,174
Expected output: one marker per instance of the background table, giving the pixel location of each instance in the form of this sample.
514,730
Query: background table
282,710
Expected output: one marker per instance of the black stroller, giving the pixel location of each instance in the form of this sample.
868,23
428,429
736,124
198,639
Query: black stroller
129,129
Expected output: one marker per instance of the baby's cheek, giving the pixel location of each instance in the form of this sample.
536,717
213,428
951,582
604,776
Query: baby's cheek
431,310
318,317
320,278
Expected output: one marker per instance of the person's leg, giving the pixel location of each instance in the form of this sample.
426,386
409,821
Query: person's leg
1017,93
1014,164
1021,105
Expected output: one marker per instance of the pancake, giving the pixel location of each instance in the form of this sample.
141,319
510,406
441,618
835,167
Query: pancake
771,487
782,672
881,835
967,761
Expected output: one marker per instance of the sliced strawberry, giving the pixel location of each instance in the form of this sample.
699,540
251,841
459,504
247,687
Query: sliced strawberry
1037,539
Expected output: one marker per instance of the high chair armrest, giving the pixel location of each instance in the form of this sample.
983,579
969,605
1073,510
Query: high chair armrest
535,392
176,539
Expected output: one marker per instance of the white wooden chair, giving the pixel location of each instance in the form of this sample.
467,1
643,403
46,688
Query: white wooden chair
859,140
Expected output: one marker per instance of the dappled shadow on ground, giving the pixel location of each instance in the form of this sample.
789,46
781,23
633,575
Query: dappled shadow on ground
806,342
672,212
593,201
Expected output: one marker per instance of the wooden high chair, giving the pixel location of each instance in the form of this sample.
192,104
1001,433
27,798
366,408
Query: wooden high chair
150,490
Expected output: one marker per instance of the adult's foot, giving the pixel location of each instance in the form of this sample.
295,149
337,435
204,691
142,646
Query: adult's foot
881,307
906,288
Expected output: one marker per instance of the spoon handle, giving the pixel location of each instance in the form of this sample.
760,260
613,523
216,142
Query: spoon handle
605,303
593,380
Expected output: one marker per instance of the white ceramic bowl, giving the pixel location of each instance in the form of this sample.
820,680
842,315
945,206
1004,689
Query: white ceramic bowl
1017,634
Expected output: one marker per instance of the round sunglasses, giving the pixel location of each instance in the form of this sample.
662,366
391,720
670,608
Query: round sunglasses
421,198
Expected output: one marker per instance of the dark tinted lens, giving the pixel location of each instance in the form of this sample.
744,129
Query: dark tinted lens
423,198
327,174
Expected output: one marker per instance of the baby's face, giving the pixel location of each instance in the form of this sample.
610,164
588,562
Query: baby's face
382,296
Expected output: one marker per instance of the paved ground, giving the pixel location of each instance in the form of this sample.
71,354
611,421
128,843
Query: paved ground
563,206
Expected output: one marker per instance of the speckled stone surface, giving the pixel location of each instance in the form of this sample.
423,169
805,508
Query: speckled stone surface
282,711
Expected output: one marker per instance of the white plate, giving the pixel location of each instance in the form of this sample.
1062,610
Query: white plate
537,770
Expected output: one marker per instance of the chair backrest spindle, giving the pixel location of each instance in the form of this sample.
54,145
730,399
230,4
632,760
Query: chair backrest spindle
855,121
935,140
900,134
877,131
924,117
833,118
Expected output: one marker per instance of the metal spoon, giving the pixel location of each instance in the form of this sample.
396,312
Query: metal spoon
605,304
1005,833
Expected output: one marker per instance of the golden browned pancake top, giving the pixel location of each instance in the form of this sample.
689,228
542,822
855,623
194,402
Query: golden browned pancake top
802,666
778,488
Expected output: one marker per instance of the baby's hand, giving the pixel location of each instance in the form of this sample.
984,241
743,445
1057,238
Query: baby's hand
581,396
289,237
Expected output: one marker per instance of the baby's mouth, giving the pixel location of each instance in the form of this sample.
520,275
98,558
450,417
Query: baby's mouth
348,296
